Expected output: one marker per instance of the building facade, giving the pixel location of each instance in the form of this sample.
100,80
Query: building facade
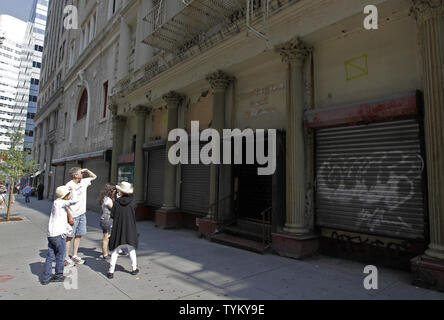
357,113
79,70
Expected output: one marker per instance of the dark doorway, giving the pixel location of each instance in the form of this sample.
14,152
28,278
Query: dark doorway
254,192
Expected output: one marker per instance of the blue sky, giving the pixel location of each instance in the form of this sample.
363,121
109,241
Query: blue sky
16,8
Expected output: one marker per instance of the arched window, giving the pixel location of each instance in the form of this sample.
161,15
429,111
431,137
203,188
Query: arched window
82,109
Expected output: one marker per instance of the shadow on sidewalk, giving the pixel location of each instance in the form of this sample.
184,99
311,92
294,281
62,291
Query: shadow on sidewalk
92,260
37,269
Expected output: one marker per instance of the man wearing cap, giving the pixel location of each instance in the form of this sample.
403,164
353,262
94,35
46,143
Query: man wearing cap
78,187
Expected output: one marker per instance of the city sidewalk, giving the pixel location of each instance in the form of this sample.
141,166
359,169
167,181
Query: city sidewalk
176,264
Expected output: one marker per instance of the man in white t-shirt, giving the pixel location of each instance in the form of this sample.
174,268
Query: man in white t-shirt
78,187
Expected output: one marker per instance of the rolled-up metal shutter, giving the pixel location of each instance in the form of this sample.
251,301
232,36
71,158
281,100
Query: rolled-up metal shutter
195,188
369,179
156,168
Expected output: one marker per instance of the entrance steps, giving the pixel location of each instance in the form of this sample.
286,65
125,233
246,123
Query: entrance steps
245,235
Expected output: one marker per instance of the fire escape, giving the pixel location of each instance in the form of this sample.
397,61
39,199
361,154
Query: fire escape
194,19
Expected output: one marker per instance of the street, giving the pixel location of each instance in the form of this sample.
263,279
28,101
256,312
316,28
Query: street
176,264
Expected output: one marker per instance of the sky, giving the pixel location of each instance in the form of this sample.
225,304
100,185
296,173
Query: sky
19,9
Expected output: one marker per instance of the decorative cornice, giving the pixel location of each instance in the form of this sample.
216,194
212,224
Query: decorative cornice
118,119
172,99
293,51
219,80
141,110
424,10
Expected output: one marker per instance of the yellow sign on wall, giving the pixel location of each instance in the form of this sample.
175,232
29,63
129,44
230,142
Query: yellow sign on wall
356,67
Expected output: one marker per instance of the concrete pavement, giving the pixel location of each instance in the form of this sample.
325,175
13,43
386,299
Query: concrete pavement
176,264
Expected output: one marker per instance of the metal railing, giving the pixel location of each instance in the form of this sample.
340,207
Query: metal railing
156,16
266,241
219,201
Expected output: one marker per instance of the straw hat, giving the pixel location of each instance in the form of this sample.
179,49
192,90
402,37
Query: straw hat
125,187
62,191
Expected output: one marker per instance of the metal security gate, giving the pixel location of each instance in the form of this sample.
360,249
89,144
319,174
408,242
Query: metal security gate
195,188
156,167
369,179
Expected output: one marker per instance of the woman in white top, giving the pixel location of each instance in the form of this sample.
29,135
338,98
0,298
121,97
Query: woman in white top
105,200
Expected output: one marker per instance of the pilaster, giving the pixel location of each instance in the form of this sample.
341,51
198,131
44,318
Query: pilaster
428,270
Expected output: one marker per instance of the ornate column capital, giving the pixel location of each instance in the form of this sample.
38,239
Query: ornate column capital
172,99
141,110
219,80
118,120
424,10
293,51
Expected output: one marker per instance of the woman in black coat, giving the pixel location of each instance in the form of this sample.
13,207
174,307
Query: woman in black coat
124,232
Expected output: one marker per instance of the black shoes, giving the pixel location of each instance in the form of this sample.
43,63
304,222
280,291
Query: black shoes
59,279
111,275
134,272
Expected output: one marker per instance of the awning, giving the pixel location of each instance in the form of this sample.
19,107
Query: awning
38,173
89,155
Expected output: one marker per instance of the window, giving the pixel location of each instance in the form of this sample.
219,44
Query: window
65,121
62,52
82,109
71,55
56,118
92,30
105,92
133,147
32,98
111,8
35,81
36,64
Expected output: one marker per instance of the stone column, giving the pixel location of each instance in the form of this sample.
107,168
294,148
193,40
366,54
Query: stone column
139,177
168,216
296,240
294,54
428,270
47,169
43,144
35,144
219,82
118,127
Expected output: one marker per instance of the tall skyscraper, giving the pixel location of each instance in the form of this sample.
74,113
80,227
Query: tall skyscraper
12,31
30,66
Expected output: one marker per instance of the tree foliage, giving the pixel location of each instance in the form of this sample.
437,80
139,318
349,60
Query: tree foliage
14,163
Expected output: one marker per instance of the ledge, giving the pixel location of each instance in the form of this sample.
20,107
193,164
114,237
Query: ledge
153,144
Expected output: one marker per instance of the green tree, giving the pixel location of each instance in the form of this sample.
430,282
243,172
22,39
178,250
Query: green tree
14,164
